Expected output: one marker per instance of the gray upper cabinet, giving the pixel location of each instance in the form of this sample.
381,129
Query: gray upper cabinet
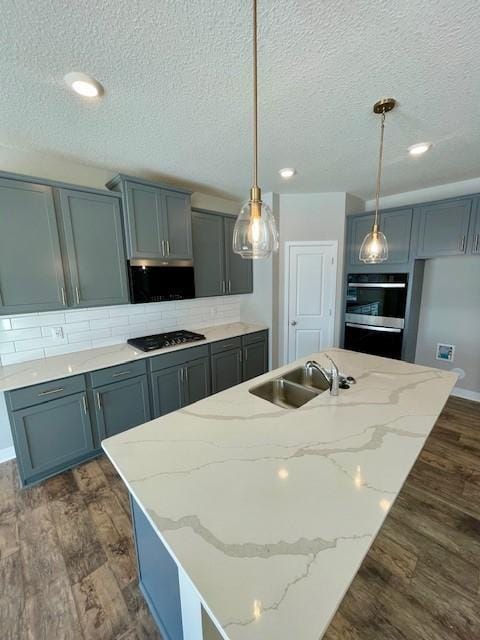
93,240
444,228
121,405
157,219
31,274
475,242
177,224
209,254
143,221
396,225
239,270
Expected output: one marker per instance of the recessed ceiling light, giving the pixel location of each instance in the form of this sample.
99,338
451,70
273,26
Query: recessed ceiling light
287,173
419,148
83,85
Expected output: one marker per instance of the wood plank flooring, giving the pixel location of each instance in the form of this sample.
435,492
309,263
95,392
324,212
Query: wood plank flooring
67,561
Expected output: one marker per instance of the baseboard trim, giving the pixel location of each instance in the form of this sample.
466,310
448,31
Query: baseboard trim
7,454
466,393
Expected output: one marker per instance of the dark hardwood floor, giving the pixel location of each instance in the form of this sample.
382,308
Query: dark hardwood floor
67,563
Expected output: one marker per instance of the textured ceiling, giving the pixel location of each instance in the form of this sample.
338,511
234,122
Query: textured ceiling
177,79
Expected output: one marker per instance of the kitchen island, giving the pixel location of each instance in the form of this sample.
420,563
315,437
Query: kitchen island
251,520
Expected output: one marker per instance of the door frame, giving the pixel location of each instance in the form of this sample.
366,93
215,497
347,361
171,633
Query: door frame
286,286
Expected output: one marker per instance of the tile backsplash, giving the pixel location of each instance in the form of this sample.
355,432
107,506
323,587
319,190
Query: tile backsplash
33,336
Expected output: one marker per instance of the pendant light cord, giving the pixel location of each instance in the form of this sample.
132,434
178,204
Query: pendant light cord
255,98
379,172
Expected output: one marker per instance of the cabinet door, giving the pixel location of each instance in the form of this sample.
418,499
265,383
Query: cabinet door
226,369
208,254
144,221
239,271
397,227
52,435
31,273
444,228
255,359
177,224
167,390
476,230
196,380
121,405
94,249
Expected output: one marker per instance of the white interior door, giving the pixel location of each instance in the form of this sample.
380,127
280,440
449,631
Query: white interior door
311,273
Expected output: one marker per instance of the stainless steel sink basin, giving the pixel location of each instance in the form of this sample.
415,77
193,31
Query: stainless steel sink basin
283,393
308,377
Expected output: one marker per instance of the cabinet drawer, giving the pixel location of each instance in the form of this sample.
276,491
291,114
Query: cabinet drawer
225,345
119,372
250,338
36,394
175,358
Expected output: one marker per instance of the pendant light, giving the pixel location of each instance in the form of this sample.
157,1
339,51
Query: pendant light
255,234
374,247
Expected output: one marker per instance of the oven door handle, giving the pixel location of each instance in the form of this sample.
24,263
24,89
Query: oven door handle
377,285
373,328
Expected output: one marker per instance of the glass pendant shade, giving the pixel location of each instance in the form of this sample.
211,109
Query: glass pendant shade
255,233
374,247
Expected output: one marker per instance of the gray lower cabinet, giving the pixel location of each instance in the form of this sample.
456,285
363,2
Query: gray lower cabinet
52,436
396,225
218,270
180,385
444,228
158,576
93,239
255,359
209,254
31,274
226,369
121,405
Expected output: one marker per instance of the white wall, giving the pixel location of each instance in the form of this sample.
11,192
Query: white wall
312,216
450,313
450,190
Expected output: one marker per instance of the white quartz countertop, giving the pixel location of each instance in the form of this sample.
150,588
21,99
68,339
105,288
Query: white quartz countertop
270,512
15,376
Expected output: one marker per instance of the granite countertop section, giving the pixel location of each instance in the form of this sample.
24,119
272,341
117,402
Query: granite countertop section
16,376
270,512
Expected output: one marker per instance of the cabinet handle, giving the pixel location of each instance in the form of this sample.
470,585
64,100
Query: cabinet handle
47,393
181,375
64,299
99,402
77,295
223,286
240,355
246,354
163,248
462,244
477,241
168,247
120,373
84,404
229,286
185,371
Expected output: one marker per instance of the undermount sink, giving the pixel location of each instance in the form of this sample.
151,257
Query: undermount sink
308,377
283,393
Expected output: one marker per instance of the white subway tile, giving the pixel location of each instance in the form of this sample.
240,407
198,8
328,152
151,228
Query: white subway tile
19,334
6,347
88,335
68,348
24,356
105,342
86,314
104,323
37,320
125,310
38,343
5,324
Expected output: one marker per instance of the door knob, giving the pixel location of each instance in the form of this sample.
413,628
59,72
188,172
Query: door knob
293,323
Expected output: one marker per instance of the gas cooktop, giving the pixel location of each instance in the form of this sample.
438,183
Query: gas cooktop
161,340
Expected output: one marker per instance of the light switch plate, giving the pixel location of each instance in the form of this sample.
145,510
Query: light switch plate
57,333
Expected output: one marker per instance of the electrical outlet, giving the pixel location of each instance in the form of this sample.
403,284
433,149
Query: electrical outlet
57,333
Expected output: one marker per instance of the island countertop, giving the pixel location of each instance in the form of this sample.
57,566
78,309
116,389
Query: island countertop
270,512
